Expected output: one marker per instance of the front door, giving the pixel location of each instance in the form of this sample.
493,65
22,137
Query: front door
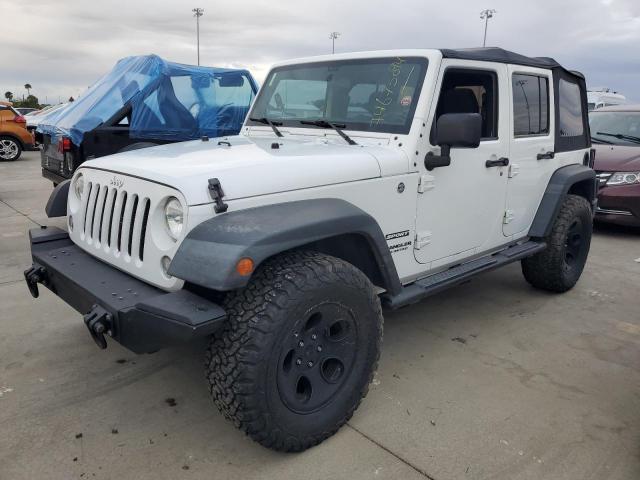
460,209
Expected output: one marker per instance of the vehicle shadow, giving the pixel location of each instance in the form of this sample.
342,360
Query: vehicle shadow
619,231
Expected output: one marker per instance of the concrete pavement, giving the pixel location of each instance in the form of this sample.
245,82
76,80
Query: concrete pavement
490,380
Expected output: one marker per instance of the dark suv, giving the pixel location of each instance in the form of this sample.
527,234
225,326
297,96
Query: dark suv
143,102
615,133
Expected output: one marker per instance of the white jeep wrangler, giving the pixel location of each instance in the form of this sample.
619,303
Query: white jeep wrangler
359,181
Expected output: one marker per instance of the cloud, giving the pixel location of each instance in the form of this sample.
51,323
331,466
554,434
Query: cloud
63,47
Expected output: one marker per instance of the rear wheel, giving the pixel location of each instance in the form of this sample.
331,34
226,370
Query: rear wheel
559,266
298,352
10,149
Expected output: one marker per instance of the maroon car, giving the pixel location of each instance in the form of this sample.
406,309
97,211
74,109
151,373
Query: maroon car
615,134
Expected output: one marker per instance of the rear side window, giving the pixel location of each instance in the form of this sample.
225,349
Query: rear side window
530,105
570,109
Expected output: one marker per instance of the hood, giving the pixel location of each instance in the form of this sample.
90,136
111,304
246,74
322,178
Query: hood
249,167
617,158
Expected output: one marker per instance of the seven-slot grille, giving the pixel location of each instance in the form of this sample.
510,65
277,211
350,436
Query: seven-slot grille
603,177
115,220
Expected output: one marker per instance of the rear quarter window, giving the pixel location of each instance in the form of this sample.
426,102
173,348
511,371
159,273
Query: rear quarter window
570,109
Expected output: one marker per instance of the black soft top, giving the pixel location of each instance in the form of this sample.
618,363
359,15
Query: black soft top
495,54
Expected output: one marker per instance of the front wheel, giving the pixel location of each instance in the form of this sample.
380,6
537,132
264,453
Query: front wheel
559,266
10,149
299,350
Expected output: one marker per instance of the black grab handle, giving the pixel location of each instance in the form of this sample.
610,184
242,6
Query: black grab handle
546,156
501,162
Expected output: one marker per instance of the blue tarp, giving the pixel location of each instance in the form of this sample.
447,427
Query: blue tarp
169,101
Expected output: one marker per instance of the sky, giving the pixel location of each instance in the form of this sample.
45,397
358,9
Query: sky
61,47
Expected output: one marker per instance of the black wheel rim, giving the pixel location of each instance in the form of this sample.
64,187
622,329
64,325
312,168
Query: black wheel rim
574,244
317,357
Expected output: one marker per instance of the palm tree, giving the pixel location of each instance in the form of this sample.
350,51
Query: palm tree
8,96
28,87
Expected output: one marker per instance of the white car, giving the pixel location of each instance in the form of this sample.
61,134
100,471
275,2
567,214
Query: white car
359,181
604,97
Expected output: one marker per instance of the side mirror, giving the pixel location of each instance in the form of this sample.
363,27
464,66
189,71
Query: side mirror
454,130
231,80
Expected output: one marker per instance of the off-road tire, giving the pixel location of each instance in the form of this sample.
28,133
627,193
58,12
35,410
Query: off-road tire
16,145
559,266
267,321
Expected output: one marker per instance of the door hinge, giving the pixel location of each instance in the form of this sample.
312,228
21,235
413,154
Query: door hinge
514,169
422,239
426,182
508,217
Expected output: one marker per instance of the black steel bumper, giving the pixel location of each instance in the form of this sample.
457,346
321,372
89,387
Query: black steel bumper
139,316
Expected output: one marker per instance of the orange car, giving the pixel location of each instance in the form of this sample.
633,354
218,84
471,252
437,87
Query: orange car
14,136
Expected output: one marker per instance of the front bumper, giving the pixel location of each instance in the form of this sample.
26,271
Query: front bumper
139,316
619,204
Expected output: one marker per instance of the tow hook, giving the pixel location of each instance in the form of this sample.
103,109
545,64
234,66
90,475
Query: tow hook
34,275
98,321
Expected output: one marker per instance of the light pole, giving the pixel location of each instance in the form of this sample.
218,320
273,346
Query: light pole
485,15
198,12
333,36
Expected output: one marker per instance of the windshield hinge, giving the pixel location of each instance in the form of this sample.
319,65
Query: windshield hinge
216,192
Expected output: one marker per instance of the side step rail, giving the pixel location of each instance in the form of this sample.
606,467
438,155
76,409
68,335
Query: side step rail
455,275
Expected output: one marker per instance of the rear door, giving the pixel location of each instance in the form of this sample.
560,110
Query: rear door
532,156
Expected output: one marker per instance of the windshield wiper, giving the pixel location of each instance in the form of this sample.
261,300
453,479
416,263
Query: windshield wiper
336,126
271,123
600,140
619,136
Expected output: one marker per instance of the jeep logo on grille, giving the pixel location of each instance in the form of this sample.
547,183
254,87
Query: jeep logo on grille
116,182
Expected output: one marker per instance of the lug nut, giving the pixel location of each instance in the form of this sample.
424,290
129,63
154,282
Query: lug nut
299,361
314,336
301,343
309,364
319,348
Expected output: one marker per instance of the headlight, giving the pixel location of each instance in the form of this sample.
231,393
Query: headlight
624,178
173,215
78,185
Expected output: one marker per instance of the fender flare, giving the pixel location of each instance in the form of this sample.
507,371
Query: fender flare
57,203
209,253
562,182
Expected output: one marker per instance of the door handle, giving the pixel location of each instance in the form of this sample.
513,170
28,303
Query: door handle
546,156
501,162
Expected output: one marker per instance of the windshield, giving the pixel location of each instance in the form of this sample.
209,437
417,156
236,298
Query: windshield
617,128
376,95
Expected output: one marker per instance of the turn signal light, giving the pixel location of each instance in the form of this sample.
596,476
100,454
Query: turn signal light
20,119
244,266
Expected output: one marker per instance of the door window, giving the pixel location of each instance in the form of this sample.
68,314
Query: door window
470,91
530,105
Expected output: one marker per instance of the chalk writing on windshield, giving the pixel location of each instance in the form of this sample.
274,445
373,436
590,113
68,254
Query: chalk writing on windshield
389,93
